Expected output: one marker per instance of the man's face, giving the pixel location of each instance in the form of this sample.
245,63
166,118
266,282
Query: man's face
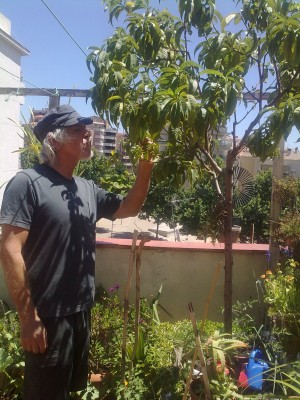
80,143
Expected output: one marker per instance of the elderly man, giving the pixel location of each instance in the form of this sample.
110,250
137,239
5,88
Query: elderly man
48,219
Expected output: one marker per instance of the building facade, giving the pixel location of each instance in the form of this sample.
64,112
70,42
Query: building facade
291,158
11,133
291,163
104,136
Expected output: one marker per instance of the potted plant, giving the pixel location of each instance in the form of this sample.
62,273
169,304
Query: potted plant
282,297
218,351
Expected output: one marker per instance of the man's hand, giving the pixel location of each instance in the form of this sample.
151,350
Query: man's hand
33,335
149,150
135,198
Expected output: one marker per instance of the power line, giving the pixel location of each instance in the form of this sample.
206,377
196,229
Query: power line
24,80
64,28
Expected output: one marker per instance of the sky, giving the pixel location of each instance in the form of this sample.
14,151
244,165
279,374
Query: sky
56,60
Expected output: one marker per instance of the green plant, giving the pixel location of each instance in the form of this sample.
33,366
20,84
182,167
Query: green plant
287,231
219,350
244,324
30,153
282,380
162,361
134,387
11,357
90,393
106,334
282,295
257,210
287,191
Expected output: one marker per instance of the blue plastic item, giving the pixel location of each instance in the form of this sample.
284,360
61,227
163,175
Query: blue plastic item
255,369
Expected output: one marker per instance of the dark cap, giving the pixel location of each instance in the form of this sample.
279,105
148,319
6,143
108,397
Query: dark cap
59,117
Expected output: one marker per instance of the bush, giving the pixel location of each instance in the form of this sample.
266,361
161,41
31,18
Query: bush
163,361
11,357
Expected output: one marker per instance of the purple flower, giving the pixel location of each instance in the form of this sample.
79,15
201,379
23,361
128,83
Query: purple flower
114,288
268,255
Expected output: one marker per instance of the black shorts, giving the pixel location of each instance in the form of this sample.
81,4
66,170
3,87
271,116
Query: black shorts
63,368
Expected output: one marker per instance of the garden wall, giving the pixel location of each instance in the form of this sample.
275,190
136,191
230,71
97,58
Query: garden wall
185,270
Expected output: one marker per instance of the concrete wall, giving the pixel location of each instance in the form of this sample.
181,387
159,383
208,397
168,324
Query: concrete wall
186,271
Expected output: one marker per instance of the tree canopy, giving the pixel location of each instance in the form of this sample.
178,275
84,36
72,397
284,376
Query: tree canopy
192,74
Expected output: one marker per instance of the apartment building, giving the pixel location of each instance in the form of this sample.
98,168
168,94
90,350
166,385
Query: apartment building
291,162
291,158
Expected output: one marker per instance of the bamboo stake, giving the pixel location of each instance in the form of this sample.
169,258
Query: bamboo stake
126,302
200,353
189,379
144,239
212,288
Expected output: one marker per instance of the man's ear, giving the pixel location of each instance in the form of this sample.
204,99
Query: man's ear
54,143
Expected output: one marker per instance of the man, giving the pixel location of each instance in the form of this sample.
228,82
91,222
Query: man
48,219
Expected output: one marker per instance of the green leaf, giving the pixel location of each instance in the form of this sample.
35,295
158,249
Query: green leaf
212,72
226,21
297,118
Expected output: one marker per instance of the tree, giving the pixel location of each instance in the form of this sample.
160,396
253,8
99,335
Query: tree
158,204
196,209
146,79
108,172
257,211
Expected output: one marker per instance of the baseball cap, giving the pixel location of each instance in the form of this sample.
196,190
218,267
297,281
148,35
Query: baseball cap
59,117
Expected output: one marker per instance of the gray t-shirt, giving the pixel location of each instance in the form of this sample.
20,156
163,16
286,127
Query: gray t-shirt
59,253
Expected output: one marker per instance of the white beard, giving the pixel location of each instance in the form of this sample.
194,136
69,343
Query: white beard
87,157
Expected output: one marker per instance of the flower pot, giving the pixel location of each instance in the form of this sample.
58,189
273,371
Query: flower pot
97,379
239,366
292,347
235,234
197,390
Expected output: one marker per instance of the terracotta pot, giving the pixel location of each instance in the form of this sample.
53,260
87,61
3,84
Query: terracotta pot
97,379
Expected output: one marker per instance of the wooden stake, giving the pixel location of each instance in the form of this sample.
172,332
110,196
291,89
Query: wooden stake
189,379
144,239
200,353
212,288
126,302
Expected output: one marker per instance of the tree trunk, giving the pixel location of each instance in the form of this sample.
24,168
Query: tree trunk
228,243
157,227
